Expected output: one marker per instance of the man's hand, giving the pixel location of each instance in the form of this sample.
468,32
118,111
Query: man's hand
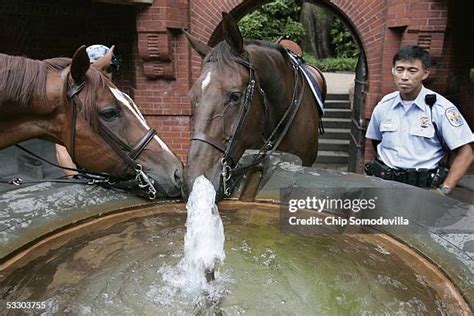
461,163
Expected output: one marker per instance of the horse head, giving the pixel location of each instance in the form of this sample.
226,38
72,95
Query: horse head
104,131
228,108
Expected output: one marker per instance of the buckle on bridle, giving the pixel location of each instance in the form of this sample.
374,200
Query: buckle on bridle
226,175
16,181
144,182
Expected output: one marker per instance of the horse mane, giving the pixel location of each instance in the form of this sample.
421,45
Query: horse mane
222,53
23,77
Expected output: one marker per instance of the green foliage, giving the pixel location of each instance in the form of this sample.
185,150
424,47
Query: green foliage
281,17
332,64
341,39
272,21
472,75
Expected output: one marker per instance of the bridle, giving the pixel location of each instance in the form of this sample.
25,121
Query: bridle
271,143
128,153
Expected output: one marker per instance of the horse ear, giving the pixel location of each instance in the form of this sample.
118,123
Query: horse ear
199,46
79,65
103,63
231,33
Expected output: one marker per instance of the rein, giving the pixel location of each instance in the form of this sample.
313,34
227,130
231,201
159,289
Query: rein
126,152
229,164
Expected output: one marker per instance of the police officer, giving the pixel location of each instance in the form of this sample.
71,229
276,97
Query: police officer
97,51
413,128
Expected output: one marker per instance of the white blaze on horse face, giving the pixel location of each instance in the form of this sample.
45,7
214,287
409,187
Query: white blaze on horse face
128,102
206,81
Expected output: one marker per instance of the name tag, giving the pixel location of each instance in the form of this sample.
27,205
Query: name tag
388,126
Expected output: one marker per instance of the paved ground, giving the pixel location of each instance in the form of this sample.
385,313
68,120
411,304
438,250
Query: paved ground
339,83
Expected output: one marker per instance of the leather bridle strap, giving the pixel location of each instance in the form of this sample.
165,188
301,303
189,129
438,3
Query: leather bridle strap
248,98
72,93
142,143
271,145
119,146
217,144
229,168
114,141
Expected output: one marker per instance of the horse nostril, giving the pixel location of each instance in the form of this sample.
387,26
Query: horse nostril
178,177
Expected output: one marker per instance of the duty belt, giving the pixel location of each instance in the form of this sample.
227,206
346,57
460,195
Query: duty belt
424,178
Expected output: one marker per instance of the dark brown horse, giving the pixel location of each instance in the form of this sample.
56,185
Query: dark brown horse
73,104
250,94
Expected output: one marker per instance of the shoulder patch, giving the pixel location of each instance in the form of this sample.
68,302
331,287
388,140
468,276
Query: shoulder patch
454,117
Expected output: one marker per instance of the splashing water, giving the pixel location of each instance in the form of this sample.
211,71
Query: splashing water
203,249
204,240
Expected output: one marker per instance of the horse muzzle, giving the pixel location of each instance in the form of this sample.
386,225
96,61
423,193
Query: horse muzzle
168,186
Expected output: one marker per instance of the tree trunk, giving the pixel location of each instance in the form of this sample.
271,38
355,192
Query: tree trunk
317,25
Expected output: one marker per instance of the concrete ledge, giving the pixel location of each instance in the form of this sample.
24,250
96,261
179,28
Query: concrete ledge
28,213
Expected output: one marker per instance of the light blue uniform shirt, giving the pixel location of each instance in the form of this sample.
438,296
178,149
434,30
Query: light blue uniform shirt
408,138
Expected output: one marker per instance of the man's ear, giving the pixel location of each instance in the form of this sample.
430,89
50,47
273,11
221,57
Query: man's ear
199,46
426,73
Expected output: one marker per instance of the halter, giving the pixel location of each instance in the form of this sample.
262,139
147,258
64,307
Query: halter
228,162
126,152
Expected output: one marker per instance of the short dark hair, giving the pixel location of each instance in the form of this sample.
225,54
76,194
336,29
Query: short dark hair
413,53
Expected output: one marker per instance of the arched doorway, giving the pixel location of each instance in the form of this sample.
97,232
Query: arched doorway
355,130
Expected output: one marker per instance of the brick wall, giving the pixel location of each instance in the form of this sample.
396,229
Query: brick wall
162,63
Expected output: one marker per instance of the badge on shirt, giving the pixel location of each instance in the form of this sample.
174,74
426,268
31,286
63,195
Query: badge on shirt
454,117
424,121
388,125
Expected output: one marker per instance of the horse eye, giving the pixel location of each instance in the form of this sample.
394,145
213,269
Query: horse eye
110,114
234,97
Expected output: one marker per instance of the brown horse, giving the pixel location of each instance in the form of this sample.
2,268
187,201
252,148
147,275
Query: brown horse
73,104
250,94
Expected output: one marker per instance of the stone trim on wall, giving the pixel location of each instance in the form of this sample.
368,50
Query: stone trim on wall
155,50
126,2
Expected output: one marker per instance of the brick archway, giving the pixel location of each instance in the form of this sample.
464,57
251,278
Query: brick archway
368,32
380,27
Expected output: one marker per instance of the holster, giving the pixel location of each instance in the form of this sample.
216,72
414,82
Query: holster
377,168
424,178
440,175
